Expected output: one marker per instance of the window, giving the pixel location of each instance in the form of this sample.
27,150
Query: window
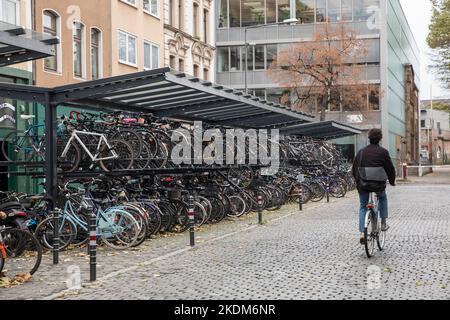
252,12
362,9
271,11
334,10
249,57
284,10
305,11
180,14
205,25
235,58
151,56
172,62
223,59
181,65
172,12
206,74
151,6
347,10
132,2
196,71
321,10
196,20
50,26
127,48
374,98
439,127
223,14
422,123
235,14
78,50
259,58
272,51
9,11
95,53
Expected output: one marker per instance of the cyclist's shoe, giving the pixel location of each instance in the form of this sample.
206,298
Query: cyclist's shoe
384,225
362,239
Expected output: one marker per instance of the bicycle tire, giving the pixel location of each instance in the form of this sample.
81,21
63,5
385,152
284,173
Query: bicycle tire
23,239
44,233
369,239
125,156
14,136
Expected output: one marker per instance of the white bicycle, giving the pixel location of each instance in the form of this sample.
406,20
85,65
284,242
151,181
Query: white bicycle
110,155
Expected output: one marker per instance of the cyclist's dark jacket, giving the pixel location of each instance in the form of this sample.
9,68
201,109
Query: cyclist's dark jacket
374,156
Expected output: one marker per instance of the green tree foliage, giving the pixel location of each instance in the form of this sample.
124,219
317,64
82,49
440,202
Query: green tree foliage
439,39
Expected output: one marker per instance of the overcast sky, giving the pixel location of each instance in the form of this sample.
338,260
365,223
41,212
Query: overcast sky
418,13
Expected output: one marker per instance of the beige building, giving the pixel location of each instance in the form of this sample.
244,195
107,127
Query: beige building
189,37
99,38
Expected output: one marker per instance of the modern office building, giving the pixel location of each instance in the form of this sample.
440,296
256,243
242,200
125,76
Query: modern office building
189,37
391,66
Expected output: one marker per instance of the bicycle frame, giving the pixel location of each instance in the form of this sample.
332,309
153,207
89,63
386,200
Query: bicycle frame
94,158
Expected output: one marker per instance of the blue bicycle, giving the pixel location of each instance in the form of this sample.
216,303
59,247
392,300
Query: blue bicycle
25,145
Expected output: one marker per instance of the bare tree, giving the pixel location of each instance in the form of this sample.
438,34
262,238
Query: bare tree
328,67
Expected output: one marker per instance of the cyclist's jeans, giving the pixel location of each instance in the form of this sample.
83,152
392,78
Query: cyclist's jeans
364,200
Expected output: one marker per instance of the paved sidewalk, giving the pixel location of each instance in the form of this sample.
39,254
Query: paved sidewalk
309,255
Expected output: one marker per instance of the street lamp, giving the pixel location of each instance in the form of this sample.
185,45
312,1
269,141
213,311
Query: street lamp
290,21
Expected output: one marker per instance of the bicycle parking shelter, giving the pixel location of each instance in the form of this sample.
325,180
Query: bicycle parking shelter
166,94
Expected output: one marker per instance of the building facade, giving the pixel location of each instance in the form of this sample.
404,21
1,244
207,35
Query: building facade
435,136
99,38
390,67
189,37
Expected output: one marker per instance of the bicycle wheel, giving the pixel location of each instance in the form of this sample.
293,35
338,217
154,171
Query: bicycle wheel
21,146
125,155
369,236
119,230
381,240
318,191
131,137
237,206
67,232
23,252
71,161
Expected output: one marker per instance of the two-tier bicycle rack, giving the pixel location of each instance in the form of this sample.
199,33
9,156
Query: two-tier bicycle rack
165,94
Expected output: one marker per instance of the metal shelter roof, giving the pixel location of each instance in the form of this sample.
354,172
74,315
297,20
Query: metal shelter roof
321,130
18,44
166,93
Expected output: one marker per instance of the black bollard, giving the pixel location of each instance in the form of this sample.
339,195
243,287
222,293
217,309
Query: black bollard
300,198
191,216
260,216
93,246
328,192
56,215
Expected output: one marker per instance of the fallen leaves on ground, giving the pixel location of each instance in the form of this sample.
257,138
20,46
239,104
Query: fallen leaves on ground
388,270
81,254
6,282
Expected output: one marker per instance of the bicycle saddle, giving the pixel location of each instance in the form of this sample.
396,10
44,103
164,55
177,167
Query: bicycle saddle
27,117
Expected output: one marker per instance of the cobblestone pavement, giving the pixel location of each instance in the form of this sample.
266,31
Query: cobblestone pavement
312,254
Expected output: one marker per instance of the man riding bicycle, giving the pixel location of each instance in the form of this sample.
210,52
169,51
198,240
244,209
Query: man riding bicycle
371,168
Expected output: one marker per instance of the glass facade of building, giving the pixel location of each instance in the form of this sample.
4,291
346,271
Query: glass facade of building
381,23
244,13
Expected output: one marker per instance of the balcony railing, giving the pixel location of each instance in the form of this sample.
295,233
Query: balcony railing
261,79
285,33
